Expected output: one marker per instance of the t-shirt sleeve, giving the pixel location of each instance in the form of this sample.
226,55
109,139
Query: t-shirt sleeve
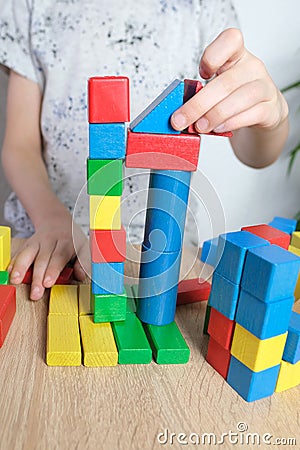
15,40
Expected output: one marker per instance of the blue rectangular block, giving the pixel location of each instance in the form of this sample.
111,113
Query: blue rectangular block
108,278
209,251
270,273
231,253
284,224
224,296
251,385
107,140
264,320
291,352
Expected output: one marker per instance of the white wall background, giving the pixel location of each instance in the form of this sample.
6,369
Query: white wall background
272,31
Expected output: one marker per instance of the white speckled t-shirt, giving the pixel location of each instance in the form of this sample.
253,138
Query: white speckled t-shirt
61,43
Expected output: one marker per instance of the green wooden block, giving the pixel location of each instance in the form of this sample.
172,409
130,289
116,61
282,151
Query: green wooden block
4,277
109,308
105,177
131,340
167,344
206,320
131,305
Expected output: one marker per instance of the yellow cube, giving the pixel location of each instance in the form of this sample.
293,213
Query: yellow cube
255,353
289,376
105,212
295,241
5,247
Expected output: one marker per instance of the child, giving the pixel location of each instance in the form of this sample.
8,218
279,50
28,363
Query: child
52,47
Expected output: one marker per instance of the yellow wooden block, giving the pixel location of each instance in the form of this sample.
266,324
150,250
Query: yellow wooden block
295,241
5,247
63,341
105,212
296,251
99,348
257,354
289,376
84,299
64,300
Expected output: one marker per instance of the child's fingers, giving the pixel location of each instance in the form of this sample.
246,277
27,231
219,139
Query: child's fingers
39,269
22,261
61,255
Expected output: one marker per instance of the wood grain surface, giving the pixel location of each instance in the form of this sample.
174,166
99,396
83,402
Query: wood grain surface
126,407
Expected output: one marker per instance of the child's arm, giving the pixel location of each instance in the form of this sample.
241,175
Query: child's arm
241,97
51,247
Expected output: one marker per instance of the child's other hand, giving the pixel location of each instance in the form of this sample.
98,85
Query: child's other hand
50,249
242,94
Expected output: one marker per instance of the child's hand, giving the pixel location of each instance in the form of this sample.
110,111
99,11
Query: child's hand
242,94
50,249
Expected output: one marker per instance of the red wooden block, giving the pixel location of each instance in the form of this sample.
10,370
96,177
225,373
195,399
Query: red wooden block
7,309
65,276
28,276
108,245
218,357
220,328
273,235
163,151
108,99
191,291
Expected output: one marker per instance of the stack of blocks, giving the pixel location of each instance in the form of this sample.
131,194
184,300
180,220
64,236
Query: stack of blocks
250,308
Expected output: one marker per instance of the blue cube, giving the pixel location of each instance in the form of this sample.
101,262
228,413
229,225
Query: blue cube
209,251
224,296
286,225
291,352
107,278
107,140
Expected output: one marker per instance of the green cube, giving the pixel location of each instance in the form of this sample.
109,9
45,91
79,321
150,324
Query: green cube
105,177
4,277
108,308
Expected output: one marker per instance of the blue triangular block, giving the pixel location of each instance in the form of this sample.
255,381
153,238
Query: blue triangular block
156,117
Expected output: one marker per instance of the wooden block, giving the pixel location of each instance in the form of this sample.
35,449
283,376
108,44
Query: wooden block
131,340
84,297
218,357
109,308
220,328
270,273
292,347
5,247
131,303
63,300
4,277
63,341
286,225
105,212
167,343
273,235
108,245
107,278
289,376
295,241
251,385
191,291
65,276
99,348
105,177
224,296
231,253
209,251
107,141
255,353
206,319
264,320
296,251
156,117
108,99
7,310
163,151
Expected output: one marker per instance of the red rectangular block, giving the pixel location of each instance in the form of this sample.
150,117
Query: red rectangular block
220,328
65,276
218,357
108,100
191,291
273,235
163,151
108,245
7,309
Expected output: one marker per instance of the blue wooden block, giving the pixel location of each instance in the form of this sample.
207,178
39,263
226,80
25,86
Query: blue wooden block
251,385
166,209
291,352
209,251
157,293
264,320
107,278
284,224
231,253
156,117
107,140
224,296
270,273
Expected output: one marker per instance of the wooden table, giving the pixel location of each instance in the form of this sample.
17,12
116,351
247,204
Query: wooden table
126,407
